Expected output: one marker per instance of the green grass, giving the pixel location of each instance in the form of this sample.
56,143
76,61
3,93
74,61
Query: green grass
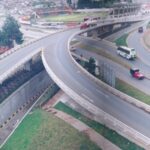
148,25
75,17
103,53
122,40
111,135
132,91
43,131
22,138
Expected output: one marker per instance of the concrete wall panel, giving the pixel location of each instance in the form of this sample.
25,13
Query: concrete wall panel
23,94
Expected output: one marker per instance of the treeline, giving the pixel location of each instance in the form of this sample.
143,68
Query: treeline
95,3
10,33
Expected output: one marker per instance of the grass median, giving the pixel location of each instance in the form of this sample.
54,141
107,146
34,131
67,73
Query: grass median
41,130
103,53
109,134
122,41
74,17
132,91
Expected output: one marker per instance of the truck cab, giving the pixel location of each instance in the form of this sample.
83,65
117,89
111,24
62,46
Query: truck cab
136,73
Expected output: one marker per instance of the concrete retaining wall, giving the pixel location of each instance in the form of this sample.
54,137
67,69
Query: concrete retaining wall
23,94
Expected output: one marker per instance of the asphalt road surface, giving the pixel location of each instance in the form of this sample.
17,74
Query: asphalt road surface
61,64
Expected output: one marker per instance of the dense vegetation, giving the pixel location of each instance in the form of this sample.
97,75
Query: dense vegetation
10,33
41,130
95,3
19,78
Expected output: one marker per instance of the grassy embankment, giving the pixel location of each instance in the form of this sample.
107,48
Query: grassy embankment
120,85
103,53
132,91
74,17
43,131
37,130
122,40
109,134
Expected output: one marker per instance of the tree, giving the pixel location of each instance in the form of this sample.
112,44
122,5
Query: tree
91,66
84,3
69,2
95,3
11,31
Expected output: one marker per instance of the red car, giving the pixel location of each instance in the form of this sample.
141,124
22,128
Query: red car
136,74
84,26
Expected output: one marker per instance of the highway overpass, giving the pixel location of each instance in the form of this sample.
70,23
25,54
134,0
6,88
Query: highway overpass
73,80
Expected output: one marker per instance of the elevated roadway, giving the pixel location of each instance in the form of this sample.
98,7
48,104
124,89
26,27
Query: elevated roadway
10,63
62,69
69,74
121,70
135,40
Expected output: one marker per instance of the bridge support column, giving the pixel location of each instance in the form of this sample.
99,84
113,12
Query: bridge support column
27,66
89,33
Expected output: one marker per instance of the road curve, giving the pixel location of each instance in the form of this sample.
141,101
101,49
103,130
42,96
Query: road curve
57,58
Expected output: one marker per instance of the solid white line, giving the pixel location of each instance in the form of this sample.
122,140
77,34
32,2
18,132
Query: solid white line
102,93
87,98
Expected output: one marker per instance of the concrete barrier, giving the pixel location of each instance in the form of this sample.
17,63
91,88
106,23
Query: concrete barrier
100,115
116,92
22,95
134,135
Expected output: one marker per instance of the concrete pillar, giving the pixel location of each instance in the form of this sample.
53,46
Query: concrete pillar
89,34
94,34
110,27
27,66
36,58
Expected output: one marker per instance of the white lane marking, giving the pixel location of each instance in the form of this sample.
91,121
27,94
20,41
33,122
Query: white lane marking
102,93
87,98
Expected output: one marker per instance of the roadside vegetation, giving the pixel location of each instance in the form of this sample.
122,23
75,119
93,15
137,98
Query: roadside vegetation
148,25
95,3
109,134
10,33
122,41
74,17
132,91
42,130
120,84
19,78
104,54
